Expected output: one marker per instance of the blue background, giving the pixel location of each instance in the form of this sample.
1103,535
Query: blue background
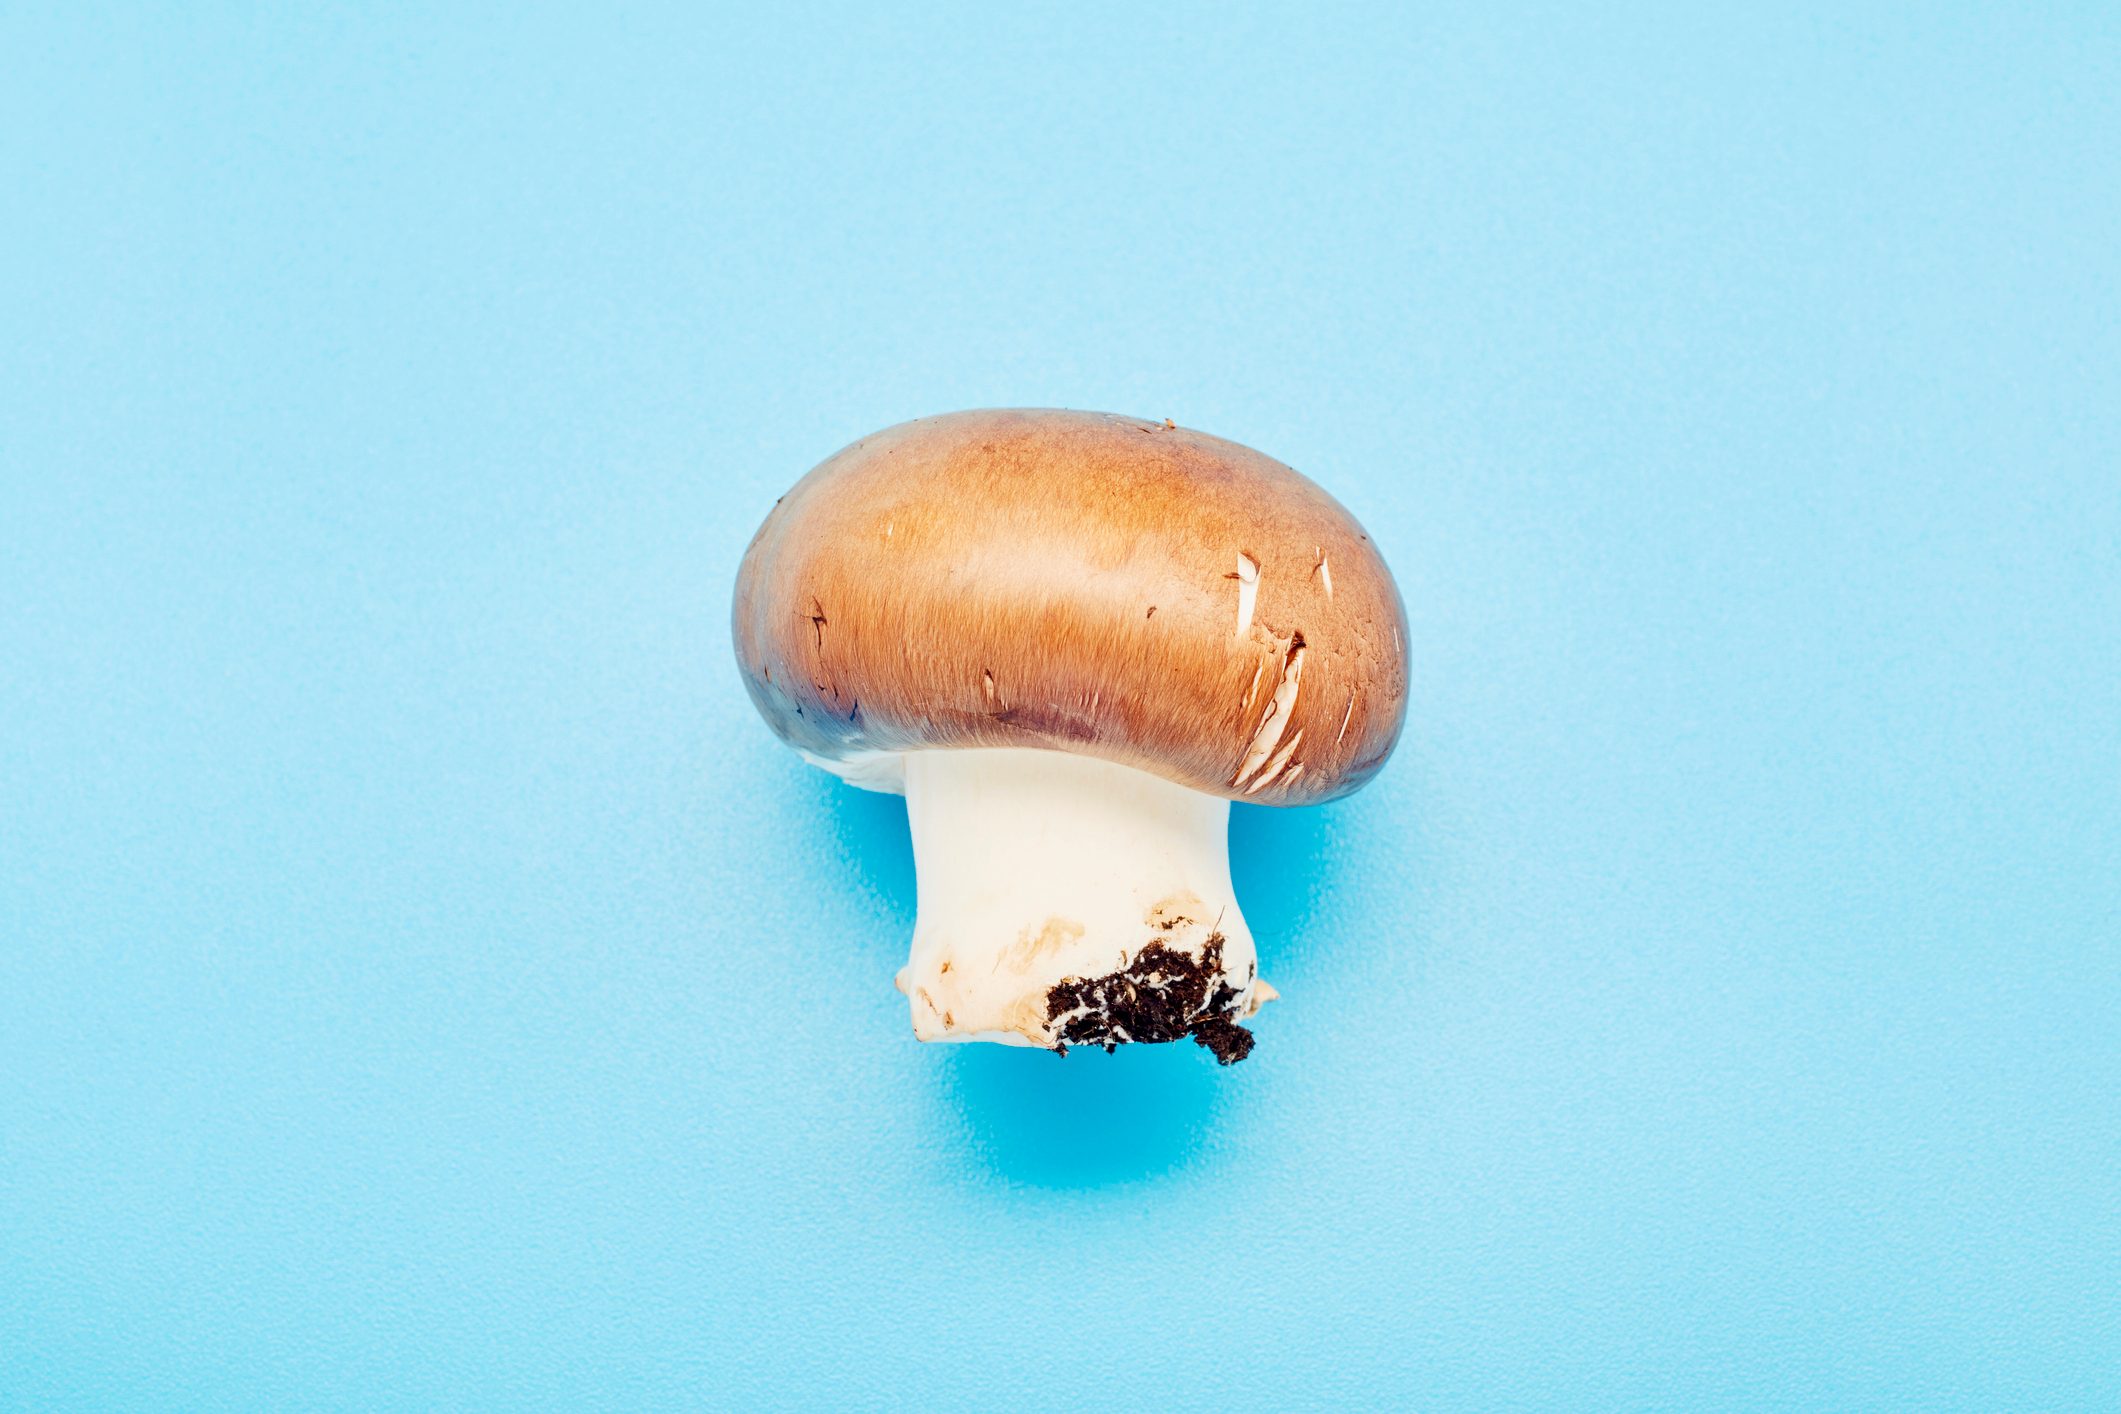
426,984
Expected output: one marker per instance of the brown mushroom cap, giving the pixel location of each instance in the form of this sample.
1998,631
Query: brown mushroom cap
1073,581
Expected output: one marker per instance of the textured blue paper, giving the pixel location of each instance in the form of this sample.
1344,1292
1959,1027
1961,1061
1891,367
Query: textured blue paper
424,984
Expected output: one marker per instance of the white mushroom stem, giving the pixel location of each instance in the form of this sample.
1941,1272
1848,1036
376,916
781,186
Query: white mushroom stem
1041,868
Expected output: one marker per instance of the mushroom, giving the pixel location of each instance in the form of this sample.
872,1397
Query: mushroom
1071,639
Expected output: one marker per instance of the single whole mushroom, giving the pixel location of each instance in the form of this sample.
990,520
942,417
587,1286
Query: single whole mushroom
1071,639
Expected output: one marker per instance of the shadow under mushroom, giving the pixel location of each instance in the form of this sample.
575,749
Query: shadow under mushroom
1089,1120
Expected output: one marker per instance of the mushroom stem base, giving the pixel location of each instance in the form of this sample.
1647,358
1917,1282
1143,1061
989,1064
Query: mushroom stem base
1065,900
